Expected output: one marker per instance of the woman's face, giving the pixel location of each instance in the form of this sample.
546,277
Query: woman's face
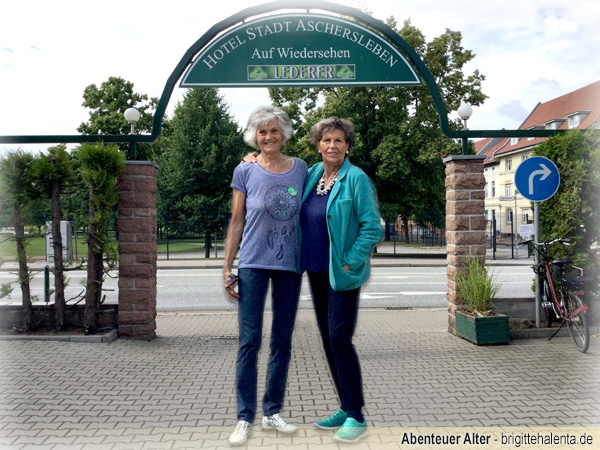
333,147
269,136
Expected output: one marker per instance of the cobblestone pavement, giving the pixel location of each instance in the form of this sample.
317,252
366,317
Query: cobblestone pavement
177,391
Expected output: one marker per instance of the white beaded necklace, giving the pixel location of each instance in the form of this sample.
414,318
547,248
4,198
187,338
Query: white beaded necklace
325,190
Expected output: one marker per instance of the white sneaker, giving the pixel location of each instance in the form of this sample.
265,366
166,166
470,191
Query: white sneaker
240,434
276,422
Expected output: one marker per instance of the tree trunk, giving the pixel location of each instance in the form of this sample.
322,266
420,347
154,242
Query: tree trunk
23,270
93,287
405,224
207,244
387,230
57,244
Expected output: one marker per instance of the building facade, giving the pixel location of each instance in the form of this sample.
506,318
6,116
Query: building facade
579,109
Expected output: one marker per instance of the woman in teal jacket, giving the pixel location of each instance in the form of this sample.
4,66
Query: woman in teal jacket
340,226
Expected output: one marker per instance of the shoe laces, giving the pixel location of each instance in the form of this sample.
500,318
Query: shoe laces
242,427
278,421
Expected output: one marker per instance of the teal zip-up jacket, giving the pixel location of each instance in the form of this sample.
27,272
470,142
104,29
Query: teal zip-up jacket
353,223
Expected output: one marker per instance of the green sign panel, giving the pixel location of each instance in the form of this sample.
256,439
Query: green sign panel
296,50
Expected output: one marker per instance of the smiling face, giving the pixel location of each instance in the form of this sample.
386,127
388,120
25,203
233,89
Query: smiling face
333,147
269,137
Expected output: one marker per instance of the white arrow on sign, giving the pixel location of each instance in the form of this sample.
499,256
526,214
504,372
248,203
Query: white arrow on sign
544,173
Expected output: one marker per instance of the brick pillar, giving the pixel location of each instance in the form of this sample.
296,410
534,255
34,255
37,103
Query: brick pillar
465,221
137,250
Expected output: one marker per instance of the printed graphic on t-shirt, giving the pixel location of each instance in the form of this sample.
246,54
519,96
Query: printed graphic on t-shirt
279,203
279,240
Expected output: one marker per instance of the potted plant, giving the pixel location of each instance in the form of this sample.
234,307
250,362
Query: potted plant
477,322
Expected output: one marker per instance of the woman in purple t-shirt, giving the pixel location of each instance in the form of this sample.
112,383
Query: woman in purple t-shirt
266,217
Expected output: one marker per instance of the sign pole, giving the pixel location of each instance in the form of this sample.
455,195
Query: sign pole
516,215
538,290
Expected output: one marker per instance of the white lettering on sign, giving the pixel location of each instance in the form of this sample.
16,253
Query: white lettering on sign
215,55
303,72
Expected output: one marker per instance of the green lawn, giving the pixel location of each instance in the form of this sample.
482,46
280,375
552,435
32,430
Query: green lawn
36,246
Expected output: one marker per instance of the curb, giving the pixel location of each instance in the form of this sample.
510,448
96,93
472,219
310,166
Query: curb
105,338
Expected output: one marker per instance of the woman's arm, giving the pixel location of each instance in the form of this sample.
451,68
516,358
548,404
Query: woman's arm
234,236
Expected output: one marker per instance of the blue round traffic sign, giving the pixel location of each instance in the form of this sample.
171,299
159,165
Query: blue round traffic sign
537,178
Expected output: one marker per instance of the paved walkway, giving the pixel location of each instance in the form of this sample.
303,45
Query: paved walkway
177,391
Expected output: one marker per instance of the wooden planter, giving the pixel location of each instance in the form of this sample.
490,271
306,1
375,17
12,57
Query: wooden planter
483,330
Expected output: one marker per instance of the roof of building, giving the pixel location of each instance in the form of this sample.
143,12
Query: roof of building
584,102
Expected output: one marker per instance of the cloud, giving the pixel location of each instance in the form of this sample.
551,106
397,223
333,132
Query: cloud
512,109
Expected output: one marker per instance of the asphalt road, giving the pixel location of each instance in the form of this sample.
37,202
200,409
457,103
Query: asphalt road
200,289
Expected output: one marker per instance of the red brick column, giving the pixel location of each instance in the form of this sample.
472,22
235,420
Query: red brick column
465,221
137,250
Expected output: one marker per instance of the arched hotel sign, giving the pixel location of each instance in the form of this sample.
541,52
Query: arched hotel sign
297,50
302,49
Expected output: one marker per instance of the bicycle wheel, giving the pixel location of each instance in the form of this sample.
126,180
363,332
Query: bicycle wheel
549,314
578,324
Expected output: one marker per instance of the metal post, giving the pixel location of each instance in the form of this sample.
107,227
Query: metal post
516,215
465,146
512,235
47,284
493,234
538,289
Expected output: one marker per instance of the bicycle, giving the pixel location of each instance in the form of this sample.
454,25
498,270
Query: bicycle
569,306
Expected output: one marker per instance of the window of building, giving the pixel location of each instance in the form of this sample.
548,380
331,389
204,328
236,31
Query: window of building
508,165
508,215
493,189
486,189
574,121
524,157
508,190
526,216
514,141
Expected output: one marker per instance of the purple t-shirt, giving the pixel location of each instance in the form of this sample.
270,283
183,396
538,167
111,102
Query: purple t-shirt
273,201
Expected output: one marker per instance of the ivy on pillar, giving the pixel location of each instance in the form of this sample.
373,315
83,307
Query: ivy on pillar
465,222
137,250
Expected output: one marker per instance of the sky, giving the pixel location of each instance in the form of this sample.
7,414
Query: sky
529,50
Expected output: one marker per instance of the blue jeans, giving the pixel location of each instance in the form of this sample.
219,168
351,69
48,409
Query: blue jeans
337,313
285,291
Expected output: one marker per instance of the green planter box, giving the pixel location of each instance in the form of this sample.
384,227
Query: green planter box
483,330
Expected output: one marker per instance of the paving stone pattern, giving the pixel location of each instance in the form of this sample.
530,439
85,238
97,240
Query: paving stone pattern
177,391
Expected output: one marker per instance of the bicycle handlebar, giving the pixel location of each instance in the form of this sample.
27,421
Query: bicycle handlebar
545,244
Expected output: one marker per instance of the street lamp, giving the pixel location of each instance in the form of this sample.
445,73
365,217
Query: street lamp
464,112
132,116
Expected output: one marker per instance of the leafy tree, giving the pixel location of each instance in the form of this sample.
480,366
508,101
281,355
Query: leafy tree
107,104
17,191
399,145
51,173
200,153
572,212
100,167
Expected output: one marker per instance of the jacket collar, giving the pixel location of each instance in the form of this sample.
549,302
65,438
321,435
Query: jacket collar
341,175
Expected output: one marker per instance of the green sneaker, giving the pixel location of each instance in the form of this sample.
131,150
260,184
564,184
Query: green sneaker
351,431
334,421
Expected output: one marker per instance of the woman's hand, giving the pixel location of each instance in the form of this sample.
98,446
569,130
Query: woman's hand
230,281
250,158
346,268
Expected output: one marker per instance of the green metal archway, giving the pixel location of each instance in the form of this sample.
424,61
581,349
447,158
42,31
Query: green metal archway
385,32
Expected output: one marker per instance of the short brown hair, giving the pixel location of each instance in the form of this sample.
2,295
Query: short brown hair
329,124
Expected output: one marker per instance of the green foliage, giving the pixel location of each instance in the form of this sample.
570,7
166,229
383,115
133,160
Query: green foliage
399,143
107,104
573,212
54,167
478,287
100,167
16,188
200,153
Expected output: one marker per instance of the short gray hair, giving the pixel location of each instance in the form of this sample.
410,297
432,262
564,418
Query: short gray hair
330,124
260,116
